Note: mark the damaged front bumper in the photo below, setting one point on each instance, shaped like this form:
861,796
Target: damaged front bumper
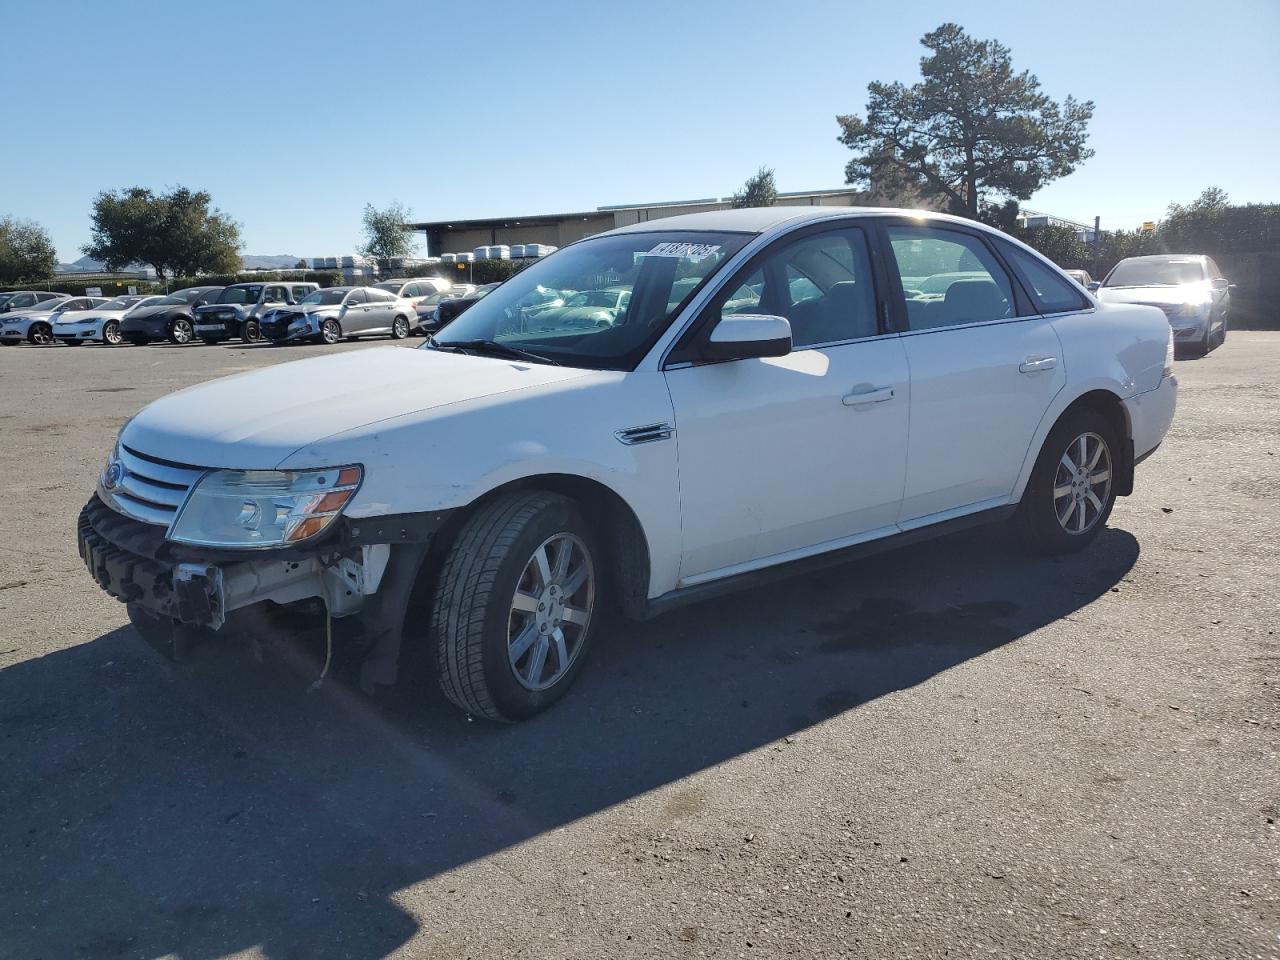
366,568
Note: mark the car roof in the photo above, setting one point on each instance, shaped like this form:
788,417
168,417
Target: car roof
763,219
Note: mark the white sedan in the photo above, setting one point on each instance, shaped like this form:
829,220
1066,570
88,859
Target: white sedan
768,398
35,324
101,323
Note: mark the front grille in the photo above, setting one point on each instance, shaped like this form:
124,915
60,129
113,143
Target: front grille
150,489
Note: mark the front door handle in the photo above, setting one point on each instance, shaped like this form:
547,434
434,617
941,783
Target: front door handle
1037,364
860,397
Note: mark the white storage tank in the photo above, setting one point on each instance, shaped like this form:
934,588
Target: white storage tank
517,251
500,252
448,258
481,253
465,258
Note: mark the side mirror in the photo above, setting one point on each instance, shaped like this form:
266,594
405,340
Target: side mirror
1220,283
746,335
1231,286
1093,286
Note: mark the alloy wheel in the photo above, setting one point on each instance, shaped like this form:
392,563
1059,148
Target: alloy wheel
111,334
41,334
550,611
181,331
1082,483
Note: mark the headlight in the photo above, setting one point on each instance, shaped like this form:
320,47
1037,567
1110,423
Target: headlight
1168,357
263,508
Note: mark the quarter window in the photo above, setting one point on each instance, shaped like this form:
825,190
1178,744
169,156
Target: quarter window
949,278
1053,292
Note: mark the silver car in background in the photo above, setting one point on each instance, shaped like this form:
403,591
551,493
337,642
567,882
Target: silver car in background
335,313
35,323
1188,288
99,323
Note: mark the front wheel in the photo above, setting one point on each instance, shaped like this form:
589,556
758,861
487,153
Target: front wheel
399,328
1072,487
514,606
111,333
330,332
251,332
40,334
180,331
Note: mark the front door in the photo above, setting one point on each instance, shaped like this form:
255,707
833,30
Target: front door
984,369
784,457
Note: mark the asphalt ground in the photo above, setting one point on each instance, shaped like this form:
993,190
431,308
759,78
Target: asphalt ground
948,751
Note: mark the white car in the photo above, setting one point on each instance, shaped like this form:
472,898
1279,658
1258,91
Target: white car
1189,289
99,323
35,324
522,479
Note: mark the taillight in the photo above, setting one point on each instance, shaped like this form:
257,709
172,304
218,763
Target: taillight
1168,357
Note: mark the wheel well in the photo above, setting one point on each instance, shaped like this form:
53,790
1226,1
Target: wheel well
1112,407
619,530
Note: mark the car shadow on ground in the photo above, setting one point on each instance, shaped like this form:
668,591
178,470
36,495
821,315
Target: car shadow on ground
210,807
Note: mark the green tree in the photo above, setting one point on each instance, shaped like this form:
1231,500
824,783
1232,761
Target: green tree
387,232
178,233
1062,245
26,251
759,190
972,130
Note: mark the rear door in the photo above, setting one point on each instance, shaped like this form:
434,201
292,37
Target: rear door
382,306
984,368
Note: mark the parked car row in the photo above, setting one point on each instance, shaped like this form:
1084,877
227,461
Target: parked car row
278,311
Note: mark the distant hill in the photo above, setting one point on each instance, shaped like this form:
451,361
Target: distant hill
278,262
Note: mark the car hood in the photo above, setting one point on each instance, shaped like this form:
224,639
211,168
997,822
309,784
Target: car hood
1182,293
216,307
142,313
256,420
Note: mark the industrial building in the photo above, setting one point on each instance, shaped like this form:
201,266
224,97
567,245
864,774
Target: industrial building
559,229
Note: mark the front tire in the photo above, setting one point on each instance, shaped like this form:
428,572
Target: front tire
251,332
399,328
40,334
514,606
1072,487
180,331
330,332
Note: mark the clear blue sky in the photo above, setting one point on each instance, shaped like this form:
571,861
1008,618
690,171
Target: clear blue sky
294,115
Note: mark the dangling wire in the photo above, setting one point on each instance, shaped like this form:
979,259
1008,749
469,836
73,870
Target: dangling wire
328,651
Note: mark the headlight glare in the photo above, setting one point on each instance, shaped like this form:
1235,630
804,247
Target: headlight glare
263,508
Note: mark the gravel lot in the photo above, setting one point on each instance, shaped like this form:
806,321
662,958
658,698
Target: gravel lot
946,751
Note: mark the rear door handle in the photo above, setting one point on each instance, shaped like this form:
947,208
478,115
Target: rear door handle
1037,364
874,395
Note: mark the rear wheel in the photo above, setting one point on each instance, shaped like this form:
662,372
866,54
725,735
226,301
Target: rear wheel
180,330
1072,487
111,333
400,328
514,606
40,334
251,332
330,332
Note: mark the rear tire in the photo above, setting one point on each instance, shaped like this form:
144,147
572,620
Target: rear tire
515,606
399,328
1066,505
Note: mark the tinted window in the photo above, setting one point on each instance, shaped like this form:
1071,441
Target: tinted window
821,283
277,294
949,278
380,296
1052,292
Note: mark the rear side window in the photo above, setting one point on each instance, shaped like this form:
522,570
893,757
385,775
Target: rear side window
949,278
1052,292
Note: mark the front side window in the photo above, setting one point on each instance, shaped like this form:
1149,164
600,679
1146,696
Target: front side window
1052,292
326,297
821,283
357,296
570,306
949,278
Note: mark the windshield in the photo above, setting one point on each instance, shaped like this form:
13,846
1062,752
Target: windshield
240,294
331,296
1154,273
120,303
659,271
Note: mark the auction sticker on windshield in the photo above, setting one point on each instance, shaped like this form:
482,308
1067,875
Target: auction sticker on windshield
684,251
